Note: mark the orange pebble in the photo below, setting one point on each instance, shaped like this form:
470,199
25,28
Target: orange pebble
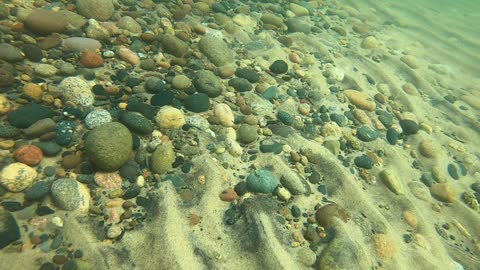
91,59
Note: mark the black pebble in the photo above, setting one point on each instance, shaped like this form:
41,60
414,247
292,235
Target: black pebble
32,52
409,127
279,67
12,206
241,188
44,210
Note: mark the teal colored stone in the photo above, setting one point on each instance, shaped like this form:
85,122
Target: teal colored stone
367,134
341,120
452,171
385,118
285,118
49,148
8,131
392,136
270,146
427,179
364,162
262,181
270,93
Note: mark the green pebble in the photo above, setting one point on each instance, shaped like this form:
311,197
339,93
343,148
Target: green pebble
452,171
367,134
262,181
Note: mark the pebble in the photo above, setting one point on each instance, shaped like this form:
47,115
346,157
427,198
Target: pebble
39,128
5,105
410,60
367,134
129,24
79,44
29,154
269,18
91,59
262,181
228,195
279,67
240,84
32,52
364,162
216,50
173,45
6,78
443,192
45,70
208,83
247,74
77,91
162,159
17,176
197,103
109,146
410,219
223,114
392,136
97,118
181,82
34,91
100,10
37,190
114,231
306,256
452,171
409,127
127,55
369,42
44,22
9,229
427,149
283,194
391,180
385,246
108,180
247,134
170,118
49,148
136,122
360,100
28,114
327,214
70,195
270,146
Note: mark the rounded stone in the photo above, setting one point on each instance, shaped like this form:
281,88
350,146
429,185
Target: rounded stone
279,67
197,103
181,82
32,52
129,24
360,99
240,84
30,155
28,114
427,149
216,50
248,74
326,215
392,136
154,85
228,195
367,134
17,176
247,134
262,181
79,44
97,118
207,82
409,127
6,78
100,10
109,146
162,159
38,190
5,105
136,122
10,53
369,42
70,195
43,22
169,117
173,45
76,90
108,180
364,162
91,59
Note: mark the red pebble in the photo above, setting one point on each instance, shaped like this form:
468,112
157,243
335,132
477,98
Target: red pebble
228,195
91,59
29,154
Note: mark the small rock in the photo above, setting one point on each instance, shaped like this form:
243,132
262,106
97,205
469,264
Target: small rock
247,134
197,103
223,115
91,59
207,82
38,190
410,60
426,148
29,154
108,180
391,181
128,56
443,192
410,218
76,90
32,52
170,118
162,159
283,194
34,91
17,176
364,162
173,45
100,10
97,118
360,100
369,42
326,215
262,181
240,84
216,50
9,230
136,122
40,127
79,44
181,82
49,148
385,246
409,127
228,195
70,195
129,24
45,70
43,22
279,67
367,134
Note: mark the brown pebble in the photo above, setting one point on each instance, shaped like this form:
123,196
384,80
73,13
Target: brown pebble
61,172
194,219
385,246
36,240
199,29
71,161
91,59
295,156
126,215
325,215
228,195
48,136
225,72
245,109
410,218
127,204
34,91
29,154
251,119
381,98
59,259
443,192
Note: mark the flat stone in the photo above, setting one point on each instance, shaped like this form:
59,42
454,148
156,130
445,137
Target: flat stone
43,22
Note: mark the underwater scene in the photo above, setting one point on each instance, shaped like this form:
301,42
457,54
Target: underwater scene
228,134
